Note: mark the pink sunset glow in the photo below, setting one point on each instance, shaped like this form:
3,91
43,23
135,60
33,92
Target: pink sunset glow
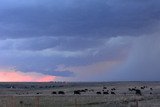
17,76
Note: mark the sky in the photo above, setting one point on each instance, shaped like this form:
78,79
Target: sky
79,40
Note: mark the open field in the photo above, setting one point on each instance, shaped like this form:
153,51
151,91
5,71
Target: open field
96,94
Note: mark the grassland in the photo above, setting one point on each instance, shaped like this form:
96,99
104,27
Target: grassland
40,94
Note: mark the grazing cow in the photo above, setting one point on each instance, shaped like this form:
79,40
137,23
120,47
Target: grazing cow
104,87
54,92
112,92
106,92
82,91
98,92
150,93
113,89
77,92
86,89
130,89
138,92
61,92
151,88
143,87
133,89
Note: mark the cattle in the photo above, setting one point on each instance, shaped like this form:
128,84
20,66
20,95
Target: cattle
130,89
54,92
61,92
112,92
104,87
77,92
133,89
138,92
106,92
143,87
113,89
86,89
151,88
37,93
82,90
150,93
99,92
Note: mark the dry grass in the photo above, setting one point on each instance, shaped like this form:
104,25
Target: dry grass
9,98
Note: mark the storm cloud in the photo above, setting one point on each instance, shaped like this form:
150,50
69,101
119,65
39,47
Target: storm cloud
73,39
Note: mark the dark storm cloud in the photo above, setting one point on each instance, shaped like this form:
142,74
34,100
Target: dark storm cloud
40,35
55,43
76,18
34,57
142,63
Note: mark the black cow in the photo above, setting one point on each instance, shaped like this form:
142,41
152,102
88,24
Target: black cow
54,92
86,89
113,89
99,92
82,90
61,92
106,92
104,87
134,89
130,89
143,87
113,92
77,92
138,92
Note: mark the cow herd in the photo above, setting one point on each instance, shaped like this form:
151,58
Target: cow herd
102,91
105,91
138,91
82,91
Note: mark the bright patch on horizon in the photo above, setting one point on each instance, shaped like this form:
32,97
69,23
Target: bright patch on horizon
17,76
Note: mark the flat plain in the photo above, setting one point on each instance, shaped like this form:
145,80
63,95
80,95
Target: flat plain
80,94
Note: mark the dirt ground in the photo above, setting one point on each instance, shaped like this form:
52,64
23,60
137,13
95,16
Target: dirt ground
89,94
